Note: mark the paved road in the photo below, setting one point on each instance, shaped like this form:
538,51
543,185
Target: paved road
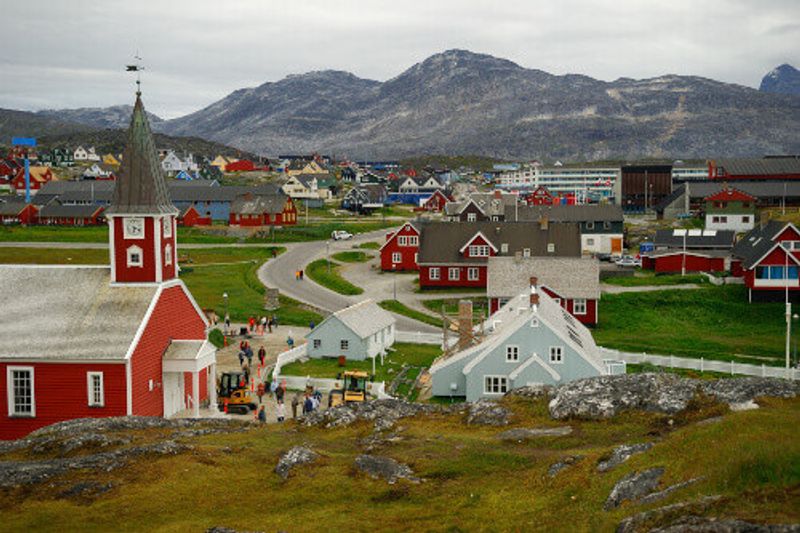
616,289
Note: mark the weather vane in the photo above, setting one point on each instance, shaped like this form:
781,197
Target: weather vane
137,68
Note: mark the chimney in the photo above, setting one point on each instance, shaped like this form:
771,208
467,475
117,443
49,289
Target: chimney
534,281
464,324
534,300
498,194
544,222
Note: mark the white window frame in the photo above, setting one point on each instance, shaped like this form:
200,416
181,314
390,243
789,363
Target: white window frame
451,271
504,248
92,401
590,225
402,240
127,235
579,306
135,250
10,391
397,257
472,217
534,322
526,252
500,386
344,345
551,247
589,241
512,353
168,254
167,225
413,240
317,344
473,274
556,355
434,273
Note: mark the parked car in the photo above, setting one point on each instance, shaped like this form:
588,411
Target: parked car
341,235
604,257
628,261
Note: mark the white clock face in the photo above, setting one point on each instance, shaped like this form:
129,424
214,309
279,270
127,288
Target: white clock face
134,228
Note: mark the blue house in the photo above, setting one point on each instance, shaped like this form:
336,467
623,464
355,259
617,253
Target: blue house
361,331
531,340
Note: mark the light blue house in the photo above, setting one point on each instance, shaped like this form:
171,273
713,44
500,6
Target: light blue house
361,331
531,340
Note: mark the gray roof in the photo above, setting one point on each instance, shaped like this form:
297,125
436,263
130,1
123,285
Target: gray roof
68,211
568,213
11,208
490,203
141,186
440,242
670,238
767,166
183,350
757,242
570,277
365,318
759,189
256,204
57,312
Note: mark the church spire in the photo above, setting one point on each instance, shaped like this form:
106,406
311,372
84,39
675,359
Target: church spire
141,187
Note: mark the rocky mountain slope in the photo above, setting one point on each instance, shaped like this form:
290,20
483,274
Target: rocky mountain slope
784,79
459,102
26,124
114,117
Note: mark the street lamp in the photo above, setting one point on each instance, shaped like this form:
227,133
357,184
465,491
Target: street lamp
225,297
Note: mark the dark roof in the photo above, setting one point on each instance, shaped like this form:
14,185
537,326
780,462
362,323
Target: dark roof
11,208
141,187
567,213
753,167
98,195
757,242
670,238
256,204
440,242
68,211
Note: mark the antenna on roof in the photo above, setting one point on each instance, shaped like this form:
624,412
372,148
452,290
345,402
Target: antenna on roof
137,68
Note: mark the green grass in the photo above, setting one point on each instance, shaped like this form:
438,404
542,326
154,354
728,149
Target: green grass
216,338
318,271
640,368
401,309
713,322
415,355
473,481
352,257
479,306
317,232
648,278
99,234
370,245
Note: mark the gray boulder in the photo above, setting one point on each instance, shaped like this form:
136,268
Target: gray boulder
487,413
523,434
532,391
384,413
605,396
702,524
384,467
567,461
660,515
296,456
633,486
620,454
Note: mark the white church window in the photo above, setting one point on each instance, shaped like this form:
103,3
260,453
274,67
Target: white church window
167,222
19,382
95,390
135,257
168,255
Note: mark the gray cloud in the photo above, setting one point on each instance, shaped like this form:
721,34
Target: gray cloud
70,54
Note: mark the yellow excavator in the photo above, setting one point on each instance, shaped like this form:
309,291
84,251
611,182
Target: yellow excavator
232,390
352,389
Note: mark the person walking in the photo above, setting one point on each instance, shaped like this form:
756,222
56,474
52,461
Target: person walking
262,415
280,411
279,392
262,355
260,391
295,403
269,325
264,325
252,324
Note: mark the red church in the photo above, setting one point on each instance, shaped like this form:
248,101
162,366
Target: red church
98,341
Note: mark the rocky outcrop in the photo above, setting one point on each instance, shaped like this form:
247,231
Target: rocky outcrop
487,413
633,486
606,396
567,461
299,455
531,392
660,495
384,413
523,434
661,515
703,524
620,454
385,467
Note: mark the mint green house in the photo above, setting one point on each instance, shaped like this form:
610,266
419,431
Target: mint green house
361,331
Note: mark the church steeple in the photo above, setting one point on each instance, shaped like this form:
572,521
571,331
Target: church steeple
141,216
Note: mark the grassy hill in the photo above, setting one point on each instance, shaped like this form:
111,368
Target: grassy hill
471,480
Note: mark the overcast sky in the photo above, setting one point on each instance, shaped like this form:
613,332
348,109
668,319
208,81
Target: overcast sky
56,54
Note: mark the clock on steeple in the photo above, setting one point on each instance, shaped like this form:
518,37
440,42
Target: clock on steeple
141,217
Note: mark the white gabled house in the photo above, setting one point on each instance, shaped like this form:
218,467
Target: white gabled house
361,331
532,340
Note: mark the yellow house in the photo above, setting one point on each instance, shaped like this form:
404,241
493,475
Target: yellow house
221,162
109,159
303,167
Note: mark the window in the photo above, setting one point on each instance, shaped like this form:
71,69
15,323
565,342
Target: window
471,217
534,322
746,220
745,204
402,240
478,250
472,274
95,390
579,306
167,222
589,242
495,218
433,273
557,354
495,384
526,252
512,354
453,273
344,345
590,225
723,220
551,247
504,248
168,255
396,257
557,300
715,220
317,344
606,225
19,381
413,240
135,257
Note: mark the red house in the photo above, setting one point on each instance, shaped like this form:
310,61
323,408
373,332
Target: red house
38,177
18,213
768,257
242,165
399,252
263,210
456,254
191,217
70,215
436,202
573,282
691,260
541,196
98,341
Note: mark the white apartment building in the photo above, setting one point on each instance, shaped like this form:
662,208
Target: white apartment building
585,182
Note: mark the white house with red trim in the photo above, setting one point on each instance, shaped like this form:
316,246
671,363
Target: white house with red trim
768,257
98,341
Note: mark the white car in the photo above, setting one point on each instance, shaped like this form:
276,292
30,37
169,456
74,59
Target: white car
628,261
341,235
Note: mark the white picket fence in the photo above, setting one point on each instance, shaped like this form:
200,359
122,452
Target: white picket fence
701,364
418,337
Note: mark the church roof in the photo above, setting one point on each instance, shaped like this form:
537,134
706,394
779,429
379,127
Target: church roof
141,187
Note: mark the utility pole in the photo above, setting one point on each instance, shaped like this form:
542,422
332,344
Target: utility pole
788,311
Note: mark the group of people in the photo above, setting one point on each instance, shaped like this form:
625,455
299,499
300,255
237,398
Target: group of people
261,325
298,275
277,389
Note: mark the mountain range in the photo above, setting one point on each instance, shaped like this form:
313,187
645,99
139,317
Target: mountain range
463,103
784,79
